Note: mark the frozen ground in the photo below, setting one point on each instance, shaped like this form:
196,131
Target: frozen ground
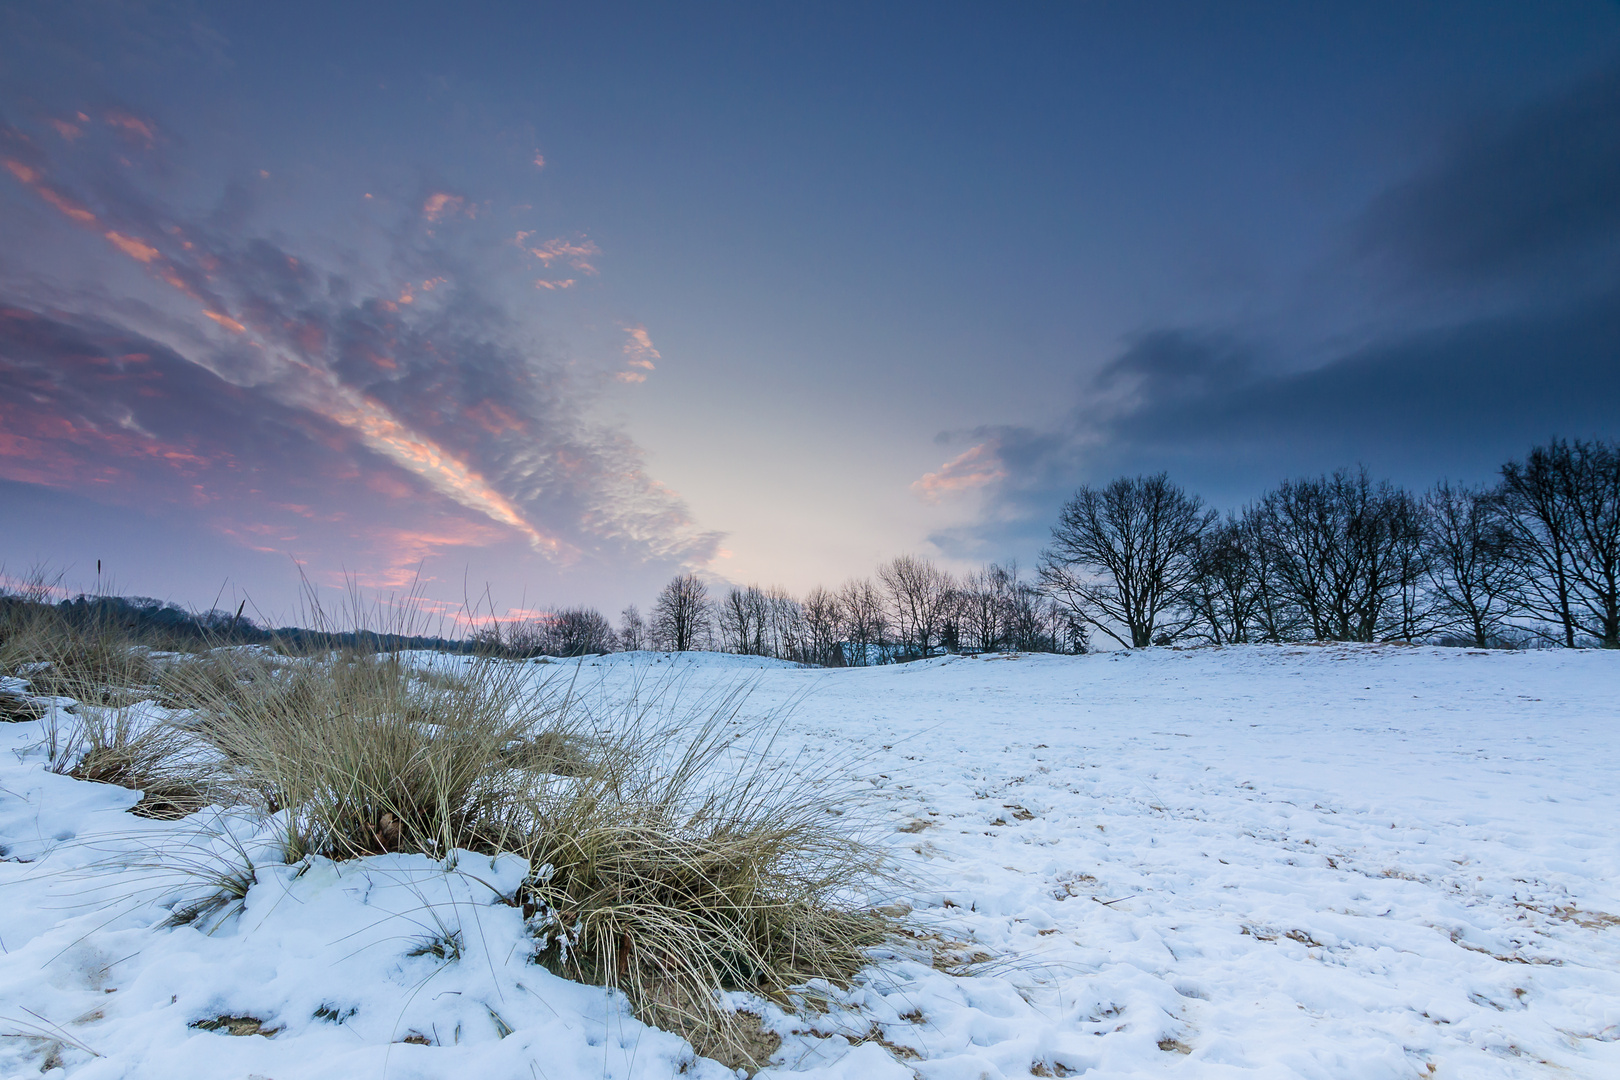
1334,862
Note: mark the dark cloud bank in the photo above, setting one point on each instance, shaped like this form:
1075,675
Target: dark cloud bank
1514,229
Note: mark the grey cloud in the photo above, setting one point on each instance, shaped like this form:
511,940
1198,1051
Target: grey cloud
1539,184
1453,403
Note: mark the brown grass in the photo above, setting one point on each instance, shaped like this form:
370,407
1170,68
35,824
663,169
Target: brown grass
698,862
366,757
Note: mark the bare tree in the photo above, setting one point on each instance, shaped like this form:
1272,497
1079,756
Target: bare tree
577,631
1122,556
680,620
1472,572
920,597
985,609
1563,504
1223,594
741,616
866,622
632,629
784,625
823,622
1347,554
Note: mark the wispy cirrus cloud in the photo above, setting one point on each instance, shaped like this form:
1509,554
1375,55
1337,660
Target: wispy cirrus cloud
976,467
423,379
639,353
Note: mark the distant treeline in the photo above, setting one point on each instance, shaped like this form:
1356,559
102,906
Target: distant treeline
1532,560
160,624
911,609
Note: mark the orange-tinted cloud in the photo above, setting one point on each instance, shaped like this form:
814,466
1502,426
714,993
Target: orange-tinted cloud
227,322
138,250
442,204
34,179
639,348
134,125
67,130
577,255
381,431
973,468
494,418
463,409
539,160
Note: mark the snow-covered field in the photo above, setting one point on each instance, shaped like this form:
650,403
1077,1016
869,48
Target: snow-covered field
1325,862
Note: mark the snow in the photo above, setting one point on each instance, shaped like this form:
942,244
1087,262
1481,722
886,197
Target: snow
1267,861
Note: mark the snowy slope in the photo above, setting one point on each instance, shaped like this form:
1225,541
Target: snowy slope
1299,861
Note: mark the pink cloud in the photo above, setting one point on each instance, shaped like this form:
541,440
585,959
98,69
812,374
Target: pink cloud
227,322
442,204
577,255
972,468
133,125
36,180
139,250
639,348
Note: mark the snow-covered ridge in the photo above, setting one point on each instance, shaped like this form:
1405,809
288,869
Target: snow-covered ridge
1290,861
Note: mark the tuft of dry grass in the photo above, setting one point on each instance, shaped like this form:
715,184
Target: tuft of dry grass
698,862
366,757
82,654
128,747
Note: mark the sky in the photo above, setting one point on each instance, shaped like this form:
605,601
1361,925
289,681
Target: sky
537,305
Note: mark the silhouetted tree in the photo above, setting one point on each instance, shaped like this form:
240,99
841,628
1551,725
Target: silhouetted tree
576,631
680,620
920,596
823,622
1346,553
632,629
865,621
1563,504
984,610
1223,594
740,617
1121,557
1472,572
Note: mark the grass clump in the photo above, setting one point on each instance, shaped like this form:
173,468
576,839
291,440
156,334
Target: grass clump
365,757
701,861
69,651
131,748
